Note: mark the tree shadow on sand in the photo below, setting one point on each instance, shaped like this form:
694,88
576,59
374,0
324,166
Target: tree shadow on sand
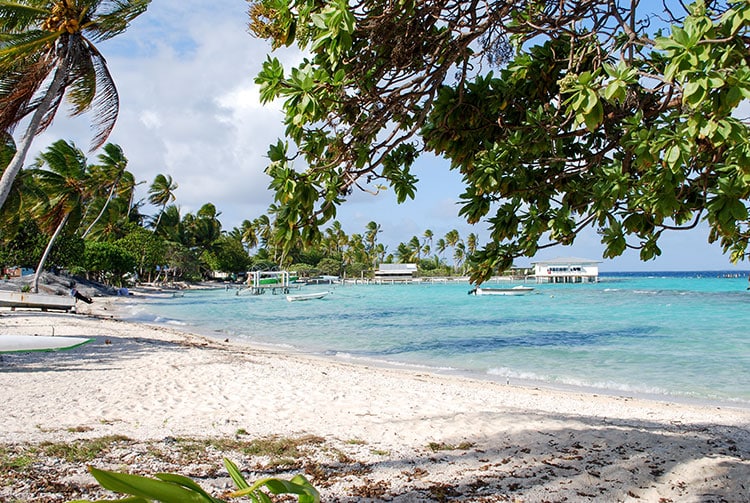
598,460
593,460
102,353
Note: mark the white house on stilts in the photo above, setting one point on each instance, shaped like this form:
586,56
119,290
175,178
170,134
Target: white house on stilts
566,270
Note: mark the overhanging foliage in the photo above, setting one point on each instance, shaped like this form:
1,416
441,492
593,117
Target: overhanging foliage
622,116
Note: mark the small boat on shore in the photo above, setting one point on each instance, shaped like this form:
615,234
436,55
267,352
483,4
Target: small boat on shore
516,290
24,343
41,301
305,296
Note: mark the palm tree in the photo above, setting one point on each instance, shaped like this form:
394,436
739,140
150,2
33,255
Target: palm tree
112,223
10,215
65,181
380,252
264,229
459,256
371,238
452,238
110,175
441,246
161,193
248,235
338,237
404,253
428,235
47,53
170,227
416,249
472,241
206,227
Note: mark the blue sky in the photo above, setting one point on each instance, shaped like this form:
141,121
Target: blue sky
189,108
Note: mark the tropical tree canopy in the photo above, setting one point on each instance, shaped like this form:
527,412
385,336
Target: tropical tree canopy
47,53
618,116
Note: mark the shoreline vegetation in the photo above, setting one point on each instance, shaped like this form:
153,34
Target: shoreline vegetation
146,399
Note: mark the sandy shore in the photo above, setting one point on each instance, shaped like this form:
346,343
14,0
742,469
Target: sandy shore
377,434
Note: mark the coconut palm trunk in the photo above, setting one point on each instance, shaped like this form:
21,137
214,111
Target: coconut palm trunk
101,212
40,267
115,186
10,173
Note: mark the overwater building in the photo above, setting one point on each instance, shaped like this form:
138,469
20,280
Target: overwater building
566,270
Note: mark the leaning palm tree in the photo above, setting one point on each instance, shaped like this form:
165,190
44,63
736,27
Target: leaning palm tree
441,246
47,53
10,214
161,193
63,174
171,227
110,175
428,236
248,235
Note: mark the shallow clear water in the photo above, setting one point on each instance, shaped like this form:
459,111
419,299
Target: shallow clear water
665,334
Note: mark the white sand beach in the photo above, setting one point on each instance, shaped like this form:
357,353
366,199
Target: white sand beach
389,434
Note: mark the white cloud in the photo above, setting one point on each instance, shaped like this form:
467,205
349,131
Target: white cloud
151,119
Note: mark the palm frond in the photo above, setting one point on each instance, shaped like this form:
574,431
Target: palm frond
16,16
106,103
113,17
49,114
18,88
17,46
82,87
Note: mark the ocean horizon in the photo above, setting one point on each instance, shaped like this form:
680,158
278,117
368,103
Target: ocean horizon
673,335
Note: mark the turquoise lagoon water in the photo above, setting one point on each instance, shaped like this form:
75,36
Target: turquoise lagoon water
674,335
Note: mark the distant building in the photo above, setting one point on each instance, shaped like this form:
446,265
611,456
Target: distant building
396,272
566,270
16,272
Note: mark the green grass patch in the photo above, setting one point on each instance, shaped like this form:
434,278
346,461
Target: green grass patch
442,446
281,451
81,451
13,460
273,446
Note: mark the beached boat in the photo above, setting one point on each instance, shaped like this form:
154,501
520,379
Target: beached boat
23,343
516,290
37,301
305,296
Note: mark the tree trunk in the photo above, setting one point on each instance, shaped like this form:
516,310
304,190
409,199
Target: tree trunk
10,173
99,216
40,267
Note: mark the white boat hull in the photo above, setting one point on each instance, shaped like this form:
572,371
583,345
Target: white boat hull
41,301
516,290
22,343
305,296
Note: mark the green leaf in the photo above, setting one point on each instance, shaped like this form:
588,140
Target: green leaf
694,93
299,485
615,90
186,483
673,155
148,488
277,153
235,474
594,117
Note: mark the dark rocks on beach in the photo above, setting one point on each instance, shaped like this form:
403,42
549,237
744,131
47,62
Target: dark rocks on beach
59,284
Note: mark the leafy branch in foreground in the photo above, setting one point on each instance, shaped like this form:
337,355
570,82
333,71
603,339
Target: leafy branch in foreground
622,118
173,488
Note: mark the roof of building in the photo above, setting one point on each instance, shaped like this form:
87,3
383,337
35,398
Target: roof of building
567,261
397,267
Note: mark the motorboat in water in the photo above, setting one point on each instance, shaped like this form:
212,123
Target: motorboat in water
305,296
516,290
